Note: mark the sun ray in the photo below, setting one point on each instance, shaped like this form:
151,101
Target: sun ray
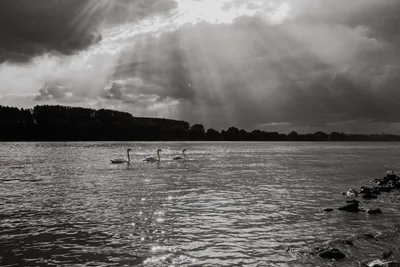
207,61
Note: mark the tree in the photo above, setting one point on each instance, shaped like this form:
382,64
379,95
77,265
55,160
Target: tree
213,135
320,136
197,132
293,136
243,135
232,134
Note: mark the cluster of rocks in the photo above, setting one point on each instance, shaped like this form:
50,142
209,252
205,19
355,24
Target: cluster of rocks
329,252
387,184
354,206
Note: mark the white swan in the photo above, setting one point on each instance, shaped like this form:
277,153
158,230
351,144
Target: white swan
153,159
119,161
180,157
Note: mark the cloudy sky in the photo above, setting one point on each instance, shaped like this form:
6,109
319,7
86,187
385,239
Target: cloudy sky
304,65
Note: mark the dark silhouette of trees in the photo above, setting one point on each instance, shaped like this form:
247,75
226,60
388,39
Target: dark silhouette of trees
293,136
320,136
15,124
60,123
335,136
232,134
213,135
197,132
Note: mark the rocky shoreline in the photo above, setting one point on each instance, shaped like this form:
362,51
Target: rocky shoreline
389,183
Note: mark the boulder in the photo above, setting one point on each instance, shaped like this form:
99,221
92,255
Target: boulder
396,185
351,207
383,188
365,190
331,253
387,254
328,210
369,196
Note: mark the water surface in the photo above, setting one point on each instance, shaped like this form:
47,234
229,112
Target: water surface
229,204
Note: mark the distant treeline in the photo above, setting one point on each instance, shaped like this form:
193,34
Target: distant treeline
60,123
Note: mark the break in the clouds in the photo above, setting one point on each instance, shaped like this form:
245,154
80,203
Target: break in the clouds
306,65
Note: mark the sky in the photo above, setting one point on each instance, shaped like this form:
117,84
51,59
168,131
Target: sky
275,65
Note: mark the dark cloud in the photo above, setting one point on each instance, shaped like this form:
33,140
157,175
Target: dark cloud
381,19
377,17
32,28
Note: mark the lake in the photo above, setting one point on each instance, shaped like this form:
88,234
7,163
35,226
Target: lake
228,204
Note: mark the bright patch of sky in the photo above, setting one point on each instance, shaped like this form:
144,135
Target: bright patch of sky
196,11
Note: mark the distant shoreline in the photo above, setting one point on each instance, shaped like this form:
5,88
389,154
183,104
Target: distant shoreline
74,124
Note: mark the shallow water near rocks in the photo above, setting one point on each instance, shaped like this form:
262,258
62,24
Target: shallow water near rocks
229,204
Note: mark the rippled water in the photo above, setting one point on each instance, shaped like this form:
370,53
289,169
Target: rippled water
229,204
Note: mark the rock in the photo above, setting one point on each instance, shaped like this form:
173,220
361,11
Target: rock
369,196
331,253
365,190
347,242
374,211
387,254
328,210
351,207
369,236
396,185
383,188
370,190
390,178
380,263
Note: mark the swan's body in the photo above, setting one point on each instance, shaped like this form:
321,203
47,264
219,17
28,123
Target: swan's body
180,157
153,159
120,160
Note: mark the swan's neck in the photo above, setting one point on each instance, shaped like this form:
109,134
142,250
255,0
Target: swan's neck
158,154
129,157
184,156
